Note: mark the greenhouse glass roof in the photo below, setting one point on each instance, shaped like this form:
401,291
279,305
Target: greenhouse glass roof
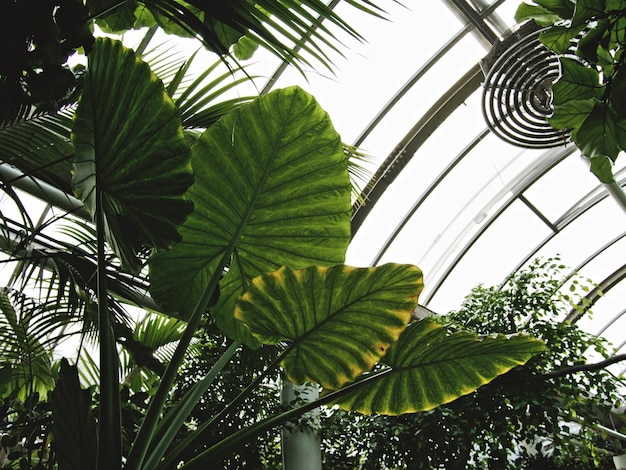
445,192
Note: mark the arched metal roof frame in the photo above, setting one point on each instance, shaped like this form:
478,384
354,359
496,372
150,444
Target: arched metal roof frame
470,26
516,188
549,160
406,148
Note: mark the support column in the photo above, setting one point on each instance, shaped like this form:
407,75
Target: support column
301,444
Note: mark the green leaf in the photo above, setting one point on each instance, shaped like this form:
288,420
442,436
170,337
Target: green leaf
558,38
245,48
144,17
542,16
587,47
588,10
198,101
571,114
620,132
602,167
577,82
618,92
271,189
130,148
615,5
39,146
617,32
115,20
563,8
597,135
5,374
430,366
27,331
74,426
339,321
226,35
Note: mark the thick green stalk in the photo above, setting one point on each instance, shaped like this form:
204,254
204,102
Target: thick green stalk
110,432
197,435
146,432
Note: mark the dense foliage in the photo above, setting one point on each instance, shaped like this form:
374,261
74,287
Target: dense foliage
37,39
528,415
589,98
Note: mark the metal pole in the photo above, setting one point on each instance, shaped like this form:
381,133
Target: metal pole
301,442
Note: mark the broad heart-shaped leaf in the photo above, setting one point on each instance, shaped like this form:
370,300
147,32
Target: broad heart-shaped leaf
130,149
339,321
271,188
428,366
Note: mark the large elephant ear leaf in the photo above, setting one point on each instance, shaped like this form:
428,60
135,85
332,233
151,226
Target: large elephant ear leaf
271,188
338,321
429,366
130,152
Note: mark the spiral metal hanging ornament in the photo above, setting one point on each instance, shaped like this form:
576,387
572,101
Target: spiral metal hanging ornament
517,92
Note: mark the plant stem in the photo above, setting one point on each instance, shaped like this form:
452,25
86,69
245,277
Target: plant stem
174,419
144,436
110,440
197,434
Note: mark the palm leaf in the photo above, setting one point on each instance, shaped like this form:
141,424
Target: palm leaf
197,101
338,321
88,371
357,161
295,31
430,366
271,189
165,60
40,147
224,25
29,333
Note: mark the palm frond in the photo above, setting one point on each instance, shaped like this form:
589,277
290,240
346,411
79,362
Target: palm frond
40,147
359,174
202,102
88,370
293,30
165,60
29,333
